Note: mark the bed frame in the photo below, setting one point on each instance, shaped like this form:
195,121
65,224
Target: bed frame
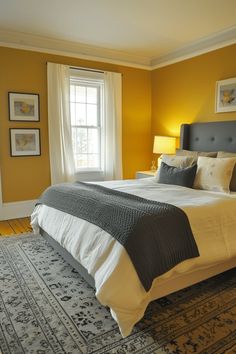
211,136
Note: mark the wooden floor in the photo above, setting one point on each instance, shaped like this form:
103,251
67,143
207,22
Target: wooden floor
14,226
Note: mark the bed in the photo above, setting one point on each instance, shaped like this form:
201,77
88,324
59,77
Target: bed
105,264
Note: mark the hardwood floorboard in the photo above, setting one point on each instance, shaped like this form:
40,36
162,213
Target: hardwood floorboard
15,226
5,228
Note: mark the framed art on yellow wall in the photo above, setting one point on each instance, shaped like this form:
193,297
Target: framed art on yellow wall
226,95
23,107
25,142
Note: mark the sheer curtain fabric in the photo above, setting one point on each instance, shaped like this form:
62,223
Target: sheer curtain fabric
60,140
113,126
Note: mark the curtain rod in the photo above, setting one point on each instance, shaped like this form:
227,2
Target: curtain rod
86,69
93,70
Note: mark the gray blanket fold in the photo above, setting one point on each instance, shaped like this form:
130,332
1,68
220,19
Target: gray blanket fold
157,236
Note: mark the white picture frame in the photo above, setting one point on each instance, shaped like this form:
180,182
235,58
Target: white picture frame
23,107
226,95
25,142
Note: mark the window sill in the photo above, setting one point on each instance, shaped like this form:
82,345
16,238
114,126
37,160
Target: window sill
89,176
88,171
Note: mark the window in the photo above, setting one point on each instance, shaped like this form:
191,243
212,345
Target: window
87,123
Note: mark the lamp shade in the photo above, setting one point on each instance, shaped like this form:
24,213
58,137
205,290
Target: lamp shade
164,145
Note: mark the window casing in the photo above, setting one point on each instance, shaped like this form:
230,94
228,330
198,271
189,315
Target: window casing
87,120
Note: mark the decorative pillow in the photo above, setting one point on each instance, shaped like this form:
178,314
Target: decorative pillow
180,152
179,161
175,175
223,154
214,174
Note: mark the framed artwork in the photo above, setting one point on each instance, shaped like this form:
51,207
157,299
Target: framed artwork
23,107
226,95
25,142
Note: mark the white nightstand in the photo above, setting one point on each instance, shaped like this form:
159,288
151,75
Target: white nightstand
144,174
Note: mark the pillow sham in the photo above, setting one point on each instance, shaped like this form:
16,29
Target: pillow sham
176,175
223,154
181,152
214,174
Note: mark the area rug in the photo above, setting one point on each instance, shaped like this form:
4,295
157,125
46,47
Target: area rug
46,307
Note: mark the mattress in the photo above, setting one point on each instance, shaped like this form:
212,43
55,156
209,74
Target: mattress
212,218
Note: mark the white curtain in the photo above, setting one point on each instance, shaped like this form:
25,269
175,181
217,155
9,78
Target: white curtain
60,140
113,126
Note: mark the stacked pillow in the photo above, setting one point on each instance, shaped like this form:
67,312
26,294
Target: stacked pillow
210,173
223,154
178,170
196,154
176,175
214,174
179,161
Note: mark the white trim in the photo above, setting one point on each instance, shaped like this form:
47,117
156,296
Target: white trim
205,45
87,52
71,49
16,209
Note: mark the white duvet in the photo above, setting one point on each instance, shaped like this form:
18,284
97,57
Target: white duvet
213,221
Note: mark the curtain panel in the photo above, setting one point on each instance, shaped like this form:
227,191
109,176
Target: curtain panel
62,163
113,126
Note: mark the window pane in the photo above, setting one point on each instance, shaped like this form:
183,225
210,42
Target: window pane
92,94
81,161
93,161
93,141
81,94
92,114
80,114
81,140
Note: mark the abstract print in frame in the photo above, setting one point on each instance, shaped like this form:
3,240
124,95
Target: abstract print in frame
25,142
226,95
23,107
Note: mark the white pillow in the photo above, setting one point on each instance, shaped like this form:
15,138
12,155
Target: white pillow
214,174
179,161
224,154
196,154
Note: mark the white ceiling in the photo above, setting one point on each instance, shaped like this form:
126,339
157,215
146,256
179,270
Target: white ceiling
145,32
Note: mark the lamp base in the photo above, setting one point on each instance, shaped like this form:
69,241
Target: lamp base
159,161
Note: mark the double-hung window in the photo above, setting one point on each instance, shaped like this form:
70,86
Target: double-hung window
87,120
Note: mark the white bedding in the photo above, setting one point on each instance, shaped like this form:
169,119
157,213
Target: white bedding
213,220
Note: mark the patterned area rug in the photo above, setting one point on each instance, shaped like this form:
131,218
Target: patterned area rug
46,307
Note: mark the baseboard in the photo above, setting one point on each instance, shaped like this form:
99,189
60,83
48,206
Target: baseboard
16,209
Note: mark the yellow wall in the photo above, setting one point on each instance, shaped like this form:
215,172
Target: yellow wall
185,92
180,93
24,178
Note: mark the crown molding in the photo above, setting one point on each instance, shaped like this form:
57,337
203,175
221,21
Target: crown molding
35,43
30,42
208,44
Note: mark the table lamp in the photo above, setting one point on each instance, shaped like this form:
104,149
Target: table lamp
164,145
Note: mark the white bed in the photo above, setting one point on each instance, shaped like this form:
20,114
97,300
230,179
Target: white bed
212,217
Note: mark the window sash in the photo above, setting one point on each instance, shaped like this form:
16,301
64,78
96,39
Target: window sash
98,85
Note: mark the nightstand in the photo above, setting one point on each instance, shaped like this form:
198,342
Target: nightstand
144,174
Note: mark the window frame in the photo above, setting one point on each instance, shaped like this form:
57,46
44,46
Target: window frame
93,79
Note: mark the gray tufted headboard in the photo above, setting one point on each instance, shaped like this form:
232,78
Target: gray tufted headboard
211,136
